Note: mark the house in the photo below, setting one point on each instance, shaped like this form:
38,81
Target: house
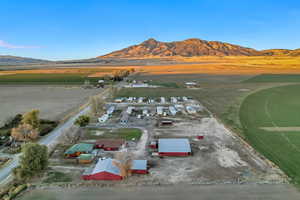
109,144
139,167
103,170
106,170
174,147
103,118
85,158
172,110
77,149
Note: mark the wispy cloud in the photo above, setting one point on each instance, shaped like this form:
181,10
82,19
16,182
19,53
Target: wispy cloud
12,46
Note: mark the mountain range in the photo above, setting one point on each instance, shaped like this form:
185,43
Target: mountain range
193,47
153,48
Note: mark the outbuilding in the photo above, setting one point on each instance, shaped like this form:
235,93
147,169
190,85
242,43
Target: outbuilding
103,170
77,149
109,144
174,147
85,158
139,167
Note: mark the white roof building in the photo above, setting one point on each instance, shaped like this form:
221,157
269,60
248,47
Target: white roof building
159,110
103,118
172,110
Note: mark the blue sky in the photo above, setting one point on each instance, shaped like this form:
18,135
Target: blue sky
75,29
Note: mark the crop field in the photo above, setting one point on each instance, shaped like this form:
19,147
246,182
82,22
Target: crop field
271,121
266,78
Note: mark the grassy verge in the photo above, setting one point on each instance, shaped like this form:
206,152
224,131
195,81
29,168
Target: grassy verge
54,176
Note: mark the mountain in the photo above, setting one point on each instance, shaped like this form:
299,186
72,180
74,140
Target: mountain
14,60
187,48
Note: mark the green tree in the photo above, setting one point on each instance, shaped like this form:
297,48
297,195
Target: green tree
32,118
34,160
82,121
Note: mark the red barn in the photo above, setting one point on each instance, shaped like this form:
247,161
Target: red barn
174,147
104,170
109,144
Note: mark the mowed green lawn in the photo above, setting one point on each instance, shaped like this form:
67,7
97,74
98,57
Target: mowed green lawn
46,79
275,107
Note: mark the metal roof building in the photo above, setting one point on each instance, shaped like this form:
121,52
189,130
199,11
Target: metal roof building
78,149
172,110
106,170
174,147
159,110
110,110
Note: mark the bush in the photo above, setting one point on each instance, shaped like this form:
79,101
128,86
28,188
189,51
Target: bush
82,121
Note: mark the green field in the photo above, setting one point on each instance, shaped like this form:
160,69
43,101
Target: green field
277,107
46,79
124,133
265,78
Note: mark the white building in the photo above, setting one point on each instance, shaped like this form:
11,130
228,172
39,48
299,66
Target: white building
110,110
140,100
129,110
184,98
145,112
162,100
103,118
160,110
173,100
191,110
172,110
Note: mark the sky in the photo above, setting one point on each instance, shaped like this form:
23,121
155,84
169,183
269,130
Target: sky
77,29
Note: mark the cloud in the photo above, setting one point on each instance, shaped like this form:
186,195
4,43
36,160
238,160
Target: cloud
12,46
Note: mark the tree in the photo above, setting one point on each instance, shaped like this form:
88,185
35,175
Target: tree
24,132
82,121
33,160
32,118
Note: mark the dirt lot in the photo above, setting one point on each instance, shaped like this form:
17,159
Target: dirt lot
53,101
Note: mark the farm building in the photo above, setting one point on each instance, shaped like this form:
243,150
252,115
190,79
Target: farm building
85,158
103,118
77,149
165,122
174,147
110,110
191,110
139,167
173,100
140,100
109,144
184,98
159,110
119,100
130,110
106,170
172,110
162,100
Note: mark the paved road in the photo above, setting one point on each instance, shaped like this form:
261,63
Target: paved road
180,192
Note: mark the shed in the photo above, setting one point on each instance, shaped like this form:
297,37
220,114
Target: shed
77,149
85,158
109,144
103,170
174,147
139,167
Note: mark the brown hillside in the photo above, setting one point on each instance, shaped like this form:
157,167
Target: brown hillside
186,48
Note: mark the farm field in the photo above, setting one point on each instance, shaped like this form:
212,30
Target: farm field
54,102
270,120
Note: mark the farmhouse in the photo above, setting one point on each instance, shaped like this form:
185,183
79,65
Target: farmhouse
107,170
77,149
109,144
174,147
